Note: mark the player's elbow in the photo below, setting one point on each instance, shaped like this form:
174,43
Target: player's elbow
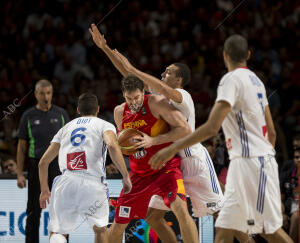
42,163
112,148
186,130
212,129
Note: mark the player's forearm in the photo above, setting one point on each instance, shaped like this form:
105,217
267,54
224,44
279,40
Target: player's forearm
118,160
115,61
43,175
272,138
201,134
173,135
46,159
151,81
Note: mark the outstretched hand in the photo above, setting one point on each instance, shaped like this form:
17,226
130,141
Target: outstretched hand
98,38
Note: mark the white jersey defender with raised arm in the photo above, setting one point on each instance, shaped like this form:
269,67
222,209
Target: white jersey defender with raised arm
252,195
200,179
81,189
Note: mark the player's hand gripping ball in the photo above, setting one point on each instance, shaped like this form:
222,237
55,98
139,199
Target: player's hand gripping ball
126,140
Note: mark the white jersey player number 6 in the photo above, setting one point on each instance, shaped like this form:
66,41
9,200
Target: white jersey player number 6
77,138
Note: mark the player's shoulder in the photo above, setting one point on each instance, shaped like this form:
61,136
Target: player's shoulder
119,108
185,94
102,125
101,121
154,98
248,77
231,78
158,105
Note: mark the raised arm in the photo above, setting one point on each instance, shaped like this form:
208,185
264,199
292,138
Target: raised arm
47,158
100,41
156,84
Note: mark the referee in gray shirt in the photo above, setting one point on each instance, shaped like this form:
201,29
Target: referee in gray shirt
37,127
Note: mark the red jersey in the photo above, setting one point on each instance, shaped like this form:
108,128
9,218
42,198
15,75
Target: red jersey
145,122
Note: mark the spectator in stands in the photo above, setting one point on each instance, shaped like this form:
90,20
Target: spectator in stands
66,71
9,166
296,142
290,192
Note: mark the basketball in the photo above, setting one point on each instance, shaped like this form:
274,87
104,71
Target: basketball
126,141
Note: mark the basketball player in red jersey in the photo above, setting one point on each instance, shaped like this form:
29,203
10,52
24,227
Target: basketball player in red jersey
156,118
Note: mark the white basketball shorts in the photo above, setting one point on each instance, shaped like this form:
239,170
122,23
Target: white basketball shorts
201,185
76,195
252,196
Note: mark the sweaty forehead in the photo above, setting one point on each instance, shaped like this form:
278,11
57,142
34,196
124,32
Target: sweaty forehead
133,94
171,68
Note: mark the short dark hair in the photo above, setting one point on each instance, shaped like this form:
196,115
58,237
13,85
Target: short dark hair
183,72
87,104
236,47
131,83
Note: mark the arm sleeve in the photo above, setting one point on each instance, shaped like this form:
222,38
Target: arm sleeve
228,90
108,126
184,105
58,136
23,130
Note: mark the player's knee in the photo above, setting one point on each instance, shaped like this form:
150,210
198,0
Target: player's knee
99,230
117,228
179,207
57,238
154,216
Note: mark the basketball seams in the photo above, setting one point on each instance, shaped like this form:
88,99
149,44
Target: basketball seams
124,136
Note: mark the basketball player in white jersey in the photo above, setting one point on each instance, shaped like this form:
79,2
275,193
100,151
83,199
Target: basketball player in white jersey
200,180
81,146
252,196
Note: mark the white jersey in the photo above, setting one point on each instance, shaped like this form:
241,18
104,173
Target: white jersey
187,108
245,125
82,147
199,176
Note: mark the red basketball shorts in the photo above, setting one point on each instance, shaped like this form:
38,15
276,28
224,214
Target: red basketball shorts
166,183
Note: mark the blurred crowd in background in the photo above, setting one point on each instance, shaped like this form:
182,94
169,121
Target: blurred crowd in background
50,39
